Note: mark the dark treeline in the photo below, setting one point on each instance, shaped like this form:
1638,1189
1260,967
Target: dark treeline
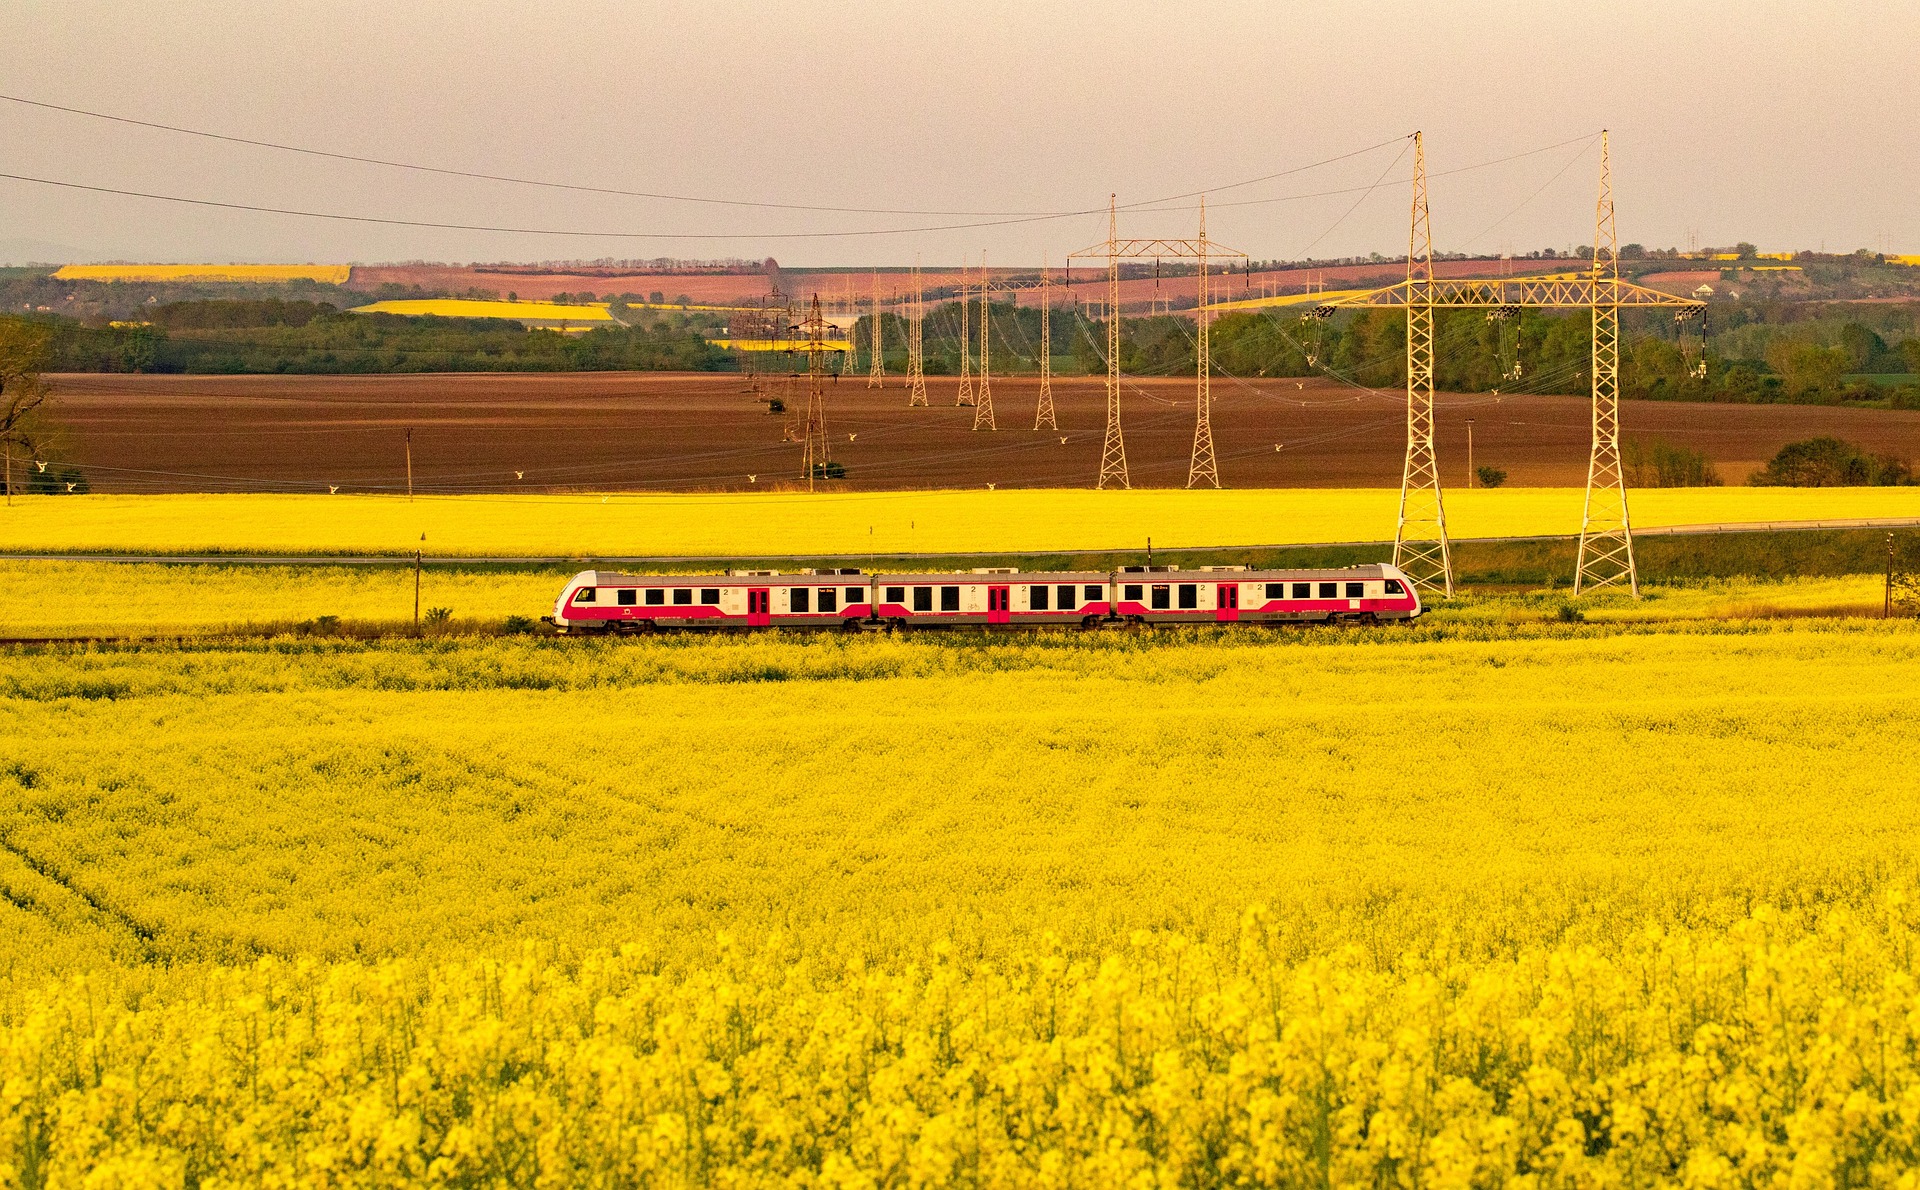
276,336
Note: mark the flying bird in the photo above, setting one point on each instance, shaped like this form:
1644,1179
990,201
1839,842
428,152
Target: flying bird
989,487
753,479
1276,446
42,466
332,488
519,474
1063,442
73,485
851,437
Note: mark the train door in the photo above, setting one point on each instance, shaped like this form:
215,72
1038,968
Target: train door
759,607
999,605
1226,603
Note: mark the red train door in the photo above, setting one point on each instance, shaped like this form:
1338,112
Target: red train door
759,607
1227,603
999,605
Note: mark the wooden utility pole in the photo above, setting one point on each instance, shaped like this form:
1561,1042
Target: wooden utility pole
409,466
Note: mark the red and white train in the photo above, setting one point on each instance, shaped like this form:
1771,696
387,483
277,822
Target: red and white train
602,601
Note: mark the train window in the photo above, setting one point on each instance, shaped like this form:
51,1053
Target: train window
1037,598
683,595
1093,594
710,595
1276,590
1394,587
797,599
585,595
626,596
655,597
949,599
1132,592
1066,602
1189,595
828,600
1162,597
923,599
856,595
896,594
1303,590
1356,590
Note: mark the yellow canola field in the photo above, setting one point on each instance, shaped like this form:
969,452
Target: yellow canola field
464,308
776,524
62,598
326,274
1582,911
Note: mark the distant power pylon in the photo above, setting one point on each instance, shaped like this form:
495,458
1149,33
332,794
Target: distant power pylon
877,370
983,407
816,454
964,396
853,314
1113,453
1202,467
916,346
1043,413
1606,536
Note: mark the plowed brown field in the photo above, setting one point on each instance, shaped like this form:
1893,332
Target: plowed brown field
651,431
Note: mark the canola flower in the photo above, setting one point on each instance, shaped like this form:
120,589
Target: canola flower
859,524
1775,1050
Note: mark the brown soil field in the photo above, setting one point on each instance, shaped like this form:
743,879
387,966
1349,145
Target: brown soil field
1089,281
665,431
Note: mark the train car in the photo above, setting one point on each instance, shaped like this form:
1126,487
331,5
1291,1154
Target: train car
605,601
1235,594
992,596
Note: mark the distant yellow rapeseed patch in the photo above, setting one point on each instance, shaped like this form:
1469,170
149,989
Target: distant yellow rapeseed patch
329,274
854,523
463,308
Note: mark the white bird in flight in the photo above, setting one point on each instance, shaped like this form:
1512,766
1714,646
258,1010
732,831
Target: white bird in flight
519,474
332,488
1063,442
851,437
73,485
989,487
753,479
42,466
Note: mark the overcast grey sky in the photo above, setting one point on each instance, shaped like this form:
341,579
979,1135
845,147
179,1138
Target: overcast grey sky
1792,125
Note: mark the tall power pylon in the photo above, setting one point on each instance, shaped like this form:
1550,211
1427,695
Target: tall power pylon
1113,453
1606,542
877,369
983,403
1043,413
815,455
1420,545
964,395
1202,467
916,346
1606,535
853,313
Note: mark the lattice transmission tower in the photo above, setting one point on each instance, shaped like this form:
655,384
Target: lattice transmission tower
983,401
1606,535
916,346
1420,544
852,313
815,454
1113,452
1202,466
1606,540
964,395
877,368
1043,412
